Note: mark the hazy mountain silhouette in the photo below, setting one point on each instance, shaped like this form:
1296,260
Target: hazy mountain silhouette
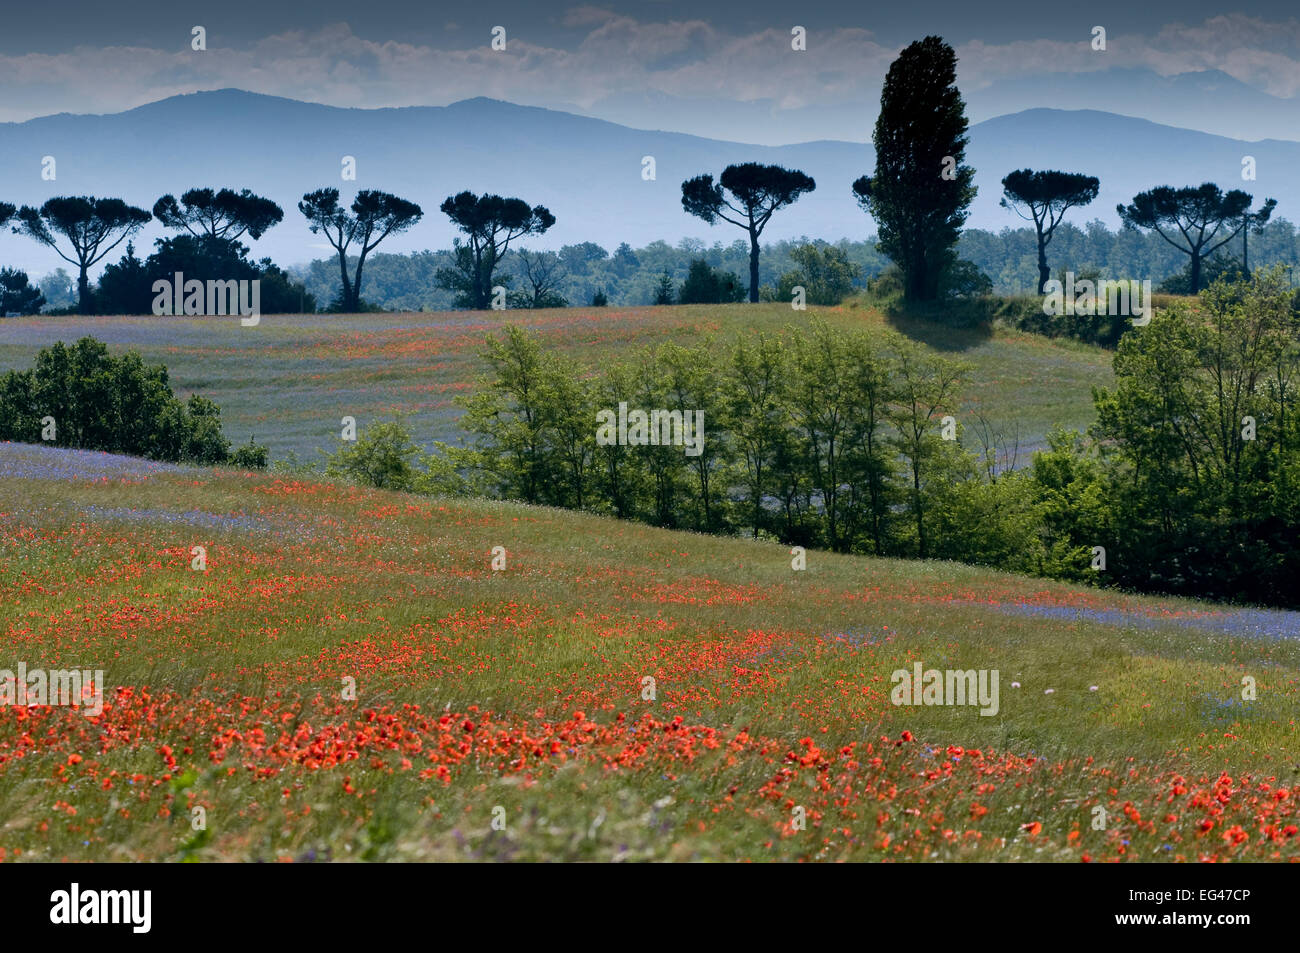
1206,101
587,171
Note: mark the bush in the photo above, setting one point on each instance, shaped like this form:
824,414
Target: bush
381,457
824,272
251,456
1025,313
599,300
115,404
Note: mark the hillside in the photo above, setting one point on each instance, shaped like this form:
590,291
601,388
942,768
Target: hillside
347,677
290,380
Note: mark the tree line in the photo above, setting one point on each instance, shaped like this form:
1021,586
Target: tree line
857,442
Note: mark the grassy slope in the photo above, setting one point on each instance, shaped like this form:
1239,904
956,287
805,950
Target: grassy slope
780,680
291,379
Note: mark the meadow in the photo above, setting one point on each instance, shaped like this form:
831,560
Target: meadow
348,678
289,381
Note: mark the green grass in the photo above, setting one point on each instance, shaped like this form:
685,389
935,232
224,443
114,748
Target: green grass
291,379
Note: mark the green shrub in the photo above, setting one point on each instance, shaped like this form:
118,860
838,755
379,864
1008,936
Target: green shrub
116,404
824,272
251,456
381,457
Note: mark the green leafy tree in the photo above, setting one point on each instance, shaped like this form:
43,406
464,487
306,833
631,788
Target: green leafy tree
1205,217
578,259
204,442
511,416
925,384
746,195
115,404
1046,196
490,224
59,288
1070,488
620,481
824,272
963,279
689,379
381,457
705,285
823,402
373,216
871,459
93,227
666,467
984,522
1203,445
664,290
757,416
920,192
16,295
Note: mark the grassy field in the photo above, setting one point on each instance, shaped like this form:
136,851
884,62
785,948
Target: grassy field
507,714
289,380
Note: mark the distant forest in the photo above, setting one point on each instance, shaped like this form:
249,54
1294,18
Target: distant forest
631,277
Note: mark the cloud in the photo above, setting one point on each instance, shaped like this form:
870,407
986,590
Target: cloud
611,55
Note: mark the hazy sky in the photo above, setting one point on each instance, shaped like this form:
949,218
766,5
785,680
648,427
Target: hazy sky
630,61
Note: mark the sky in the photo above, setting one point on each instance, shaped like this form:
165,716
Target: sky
685,66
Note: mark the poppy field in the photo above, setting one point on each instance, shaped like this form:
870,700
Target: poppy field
346,675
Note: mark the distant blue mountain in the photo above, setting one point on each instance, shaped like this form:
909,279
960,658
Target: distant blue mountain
1205,100
587,171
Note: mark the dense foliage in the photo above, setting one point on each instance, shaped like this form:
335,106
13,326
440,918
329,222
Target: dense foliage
82,396
856,442
127,286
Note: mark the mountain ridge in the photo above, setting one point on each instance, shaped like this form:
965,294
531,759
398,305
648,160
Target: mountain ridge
587,170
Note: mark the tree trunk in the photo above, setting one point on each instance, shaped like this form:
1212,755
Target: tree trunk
753,268
1196,272
482,284
916,498
346,300
83,292
356,284
1043,272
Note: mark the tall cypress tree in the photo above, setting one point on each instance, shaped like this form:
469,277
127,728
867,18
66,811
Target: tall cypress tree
920,192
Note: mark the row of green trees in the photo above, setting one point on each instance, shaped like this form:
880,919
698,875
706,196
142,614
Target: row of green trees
1187,484
82,396
816,437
